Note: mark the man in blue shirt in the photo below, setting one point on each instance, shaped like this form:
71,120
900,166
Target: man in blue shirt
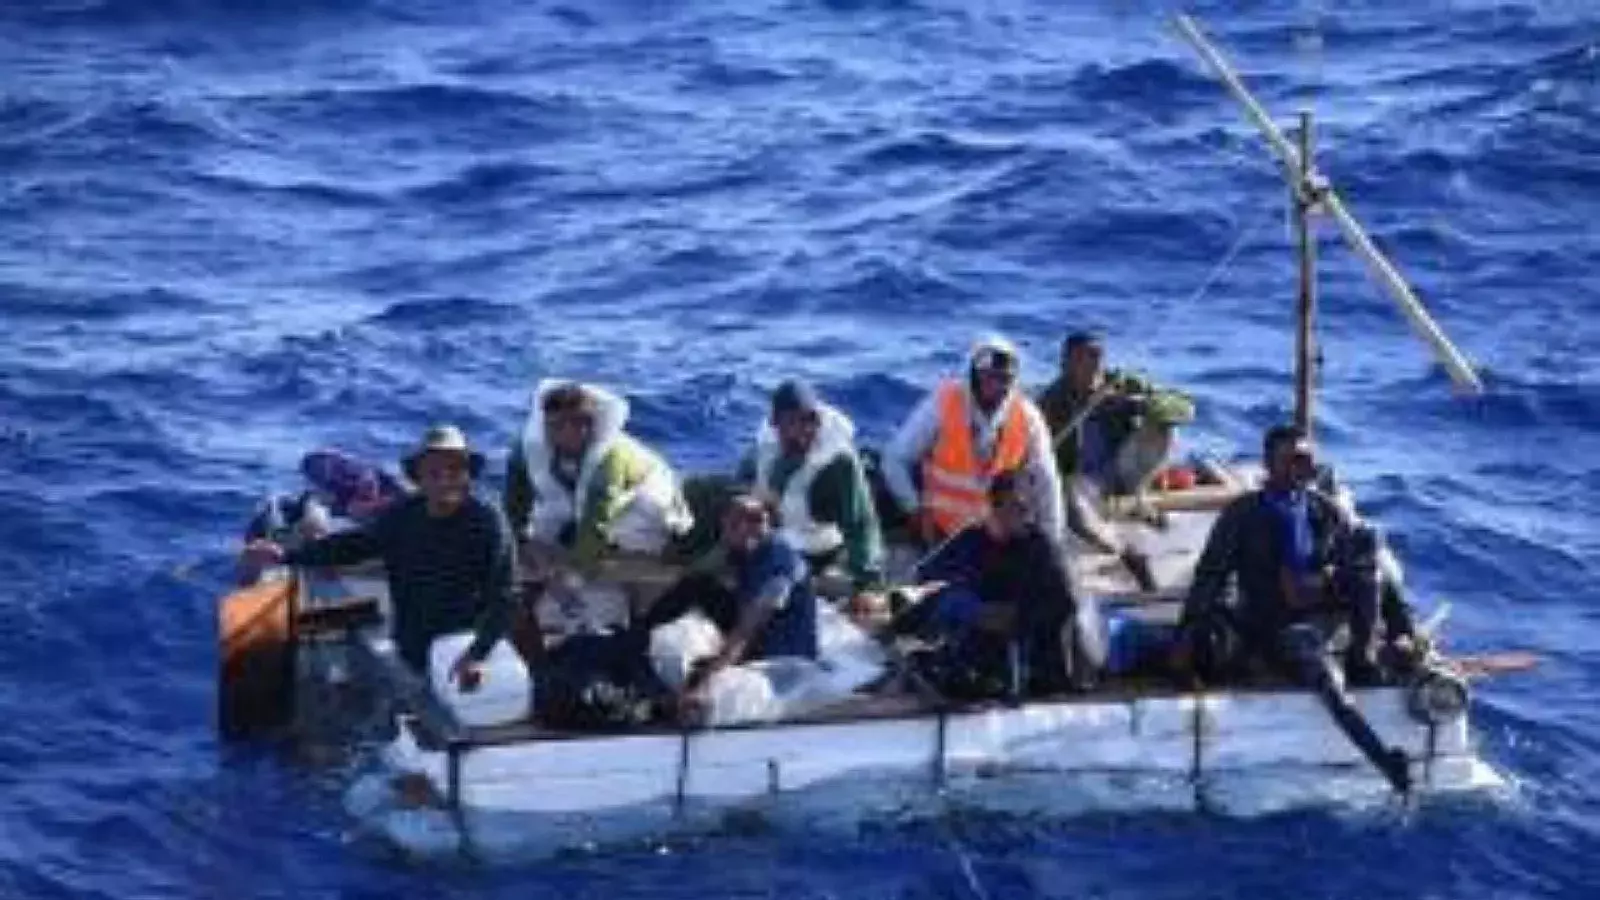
1305,571
754,588
1001,585
1299,560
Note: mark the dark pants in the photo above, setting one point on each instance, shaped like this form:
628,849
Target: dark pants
1348,618
1031,660
1302,651
701,591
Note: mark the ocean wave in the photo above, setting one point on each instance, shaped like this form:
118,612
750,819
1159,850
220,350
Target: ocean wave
632,184
484,182
477,115
1510,403
33,121
118,13
884,285
70,408
127,129
940,149
1154,84
573,16
39,303
725,74
1109,231
247,183
878,401
446,312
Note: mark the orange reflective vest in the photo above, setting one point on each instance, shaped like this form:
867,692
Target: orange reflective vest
955,481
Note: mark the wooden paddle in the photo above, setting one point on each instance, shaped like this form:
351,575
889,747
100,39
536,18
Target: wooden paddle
1489,665
1201,498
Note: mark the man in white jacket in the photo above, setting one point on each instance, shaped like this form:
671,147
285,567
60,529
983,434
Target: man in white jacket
805,465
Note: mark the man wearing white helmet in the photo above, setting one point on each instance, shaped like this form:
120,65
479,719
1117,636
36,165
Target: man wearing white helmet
963,434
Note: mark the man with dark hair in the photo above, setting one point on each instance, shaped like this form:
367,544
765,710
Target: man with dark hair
1001,583
755,588
576,480
805,464
1065,399
1305,569
1111,433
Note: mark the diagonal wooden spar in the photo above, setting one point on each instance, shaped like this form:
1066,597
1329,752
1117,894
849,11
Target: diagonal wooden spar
1384,271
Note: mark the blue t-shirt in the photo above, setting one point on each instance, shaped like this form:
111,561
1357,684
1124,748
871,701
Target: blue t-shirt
1293,513
792,630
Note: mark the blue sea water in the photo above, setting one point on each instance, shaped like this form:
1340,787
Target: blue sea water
234,230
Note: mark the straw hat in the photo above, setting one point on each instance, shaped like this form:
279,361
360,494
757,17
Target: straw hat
443,439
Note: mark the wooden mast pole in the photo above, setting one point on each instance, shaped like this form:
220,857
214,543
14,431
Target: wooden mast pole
1305,351
1329,201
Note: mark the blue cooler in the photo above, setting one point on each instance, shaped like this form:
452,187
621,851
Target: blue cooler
1133,644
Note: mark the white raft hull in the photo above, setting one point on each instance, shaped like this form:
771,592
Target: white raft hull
1241,753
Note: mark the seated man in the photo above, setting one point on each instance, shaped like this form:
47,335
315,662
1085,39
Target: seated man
449,556
805,465
754,589
1304,570
578,486
1002,583
965,433
1089,411
339,486
1112,434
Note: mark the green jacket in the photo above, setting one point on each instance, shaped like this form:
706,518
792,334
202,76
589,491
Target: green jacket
1110,424
624,468
839,495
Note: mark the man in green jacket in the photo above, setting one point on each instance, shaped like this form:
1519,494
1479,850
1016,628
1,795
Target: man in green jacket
805,466
578,482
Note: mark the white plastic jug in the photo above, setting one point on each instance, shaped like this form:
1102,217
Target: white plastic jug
505,693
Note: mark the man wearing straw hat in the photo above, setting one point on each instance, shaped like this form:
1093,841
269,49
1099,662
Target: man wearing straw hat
449,556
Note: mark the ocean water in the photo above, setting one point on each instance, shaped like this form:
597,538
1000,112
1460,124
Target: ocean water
233,231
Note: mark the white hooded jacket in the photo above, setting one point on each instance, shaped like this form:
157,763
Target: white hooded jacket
652,514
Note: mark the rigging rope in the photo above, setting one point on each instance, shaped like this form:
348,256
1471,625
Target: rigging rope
1218,269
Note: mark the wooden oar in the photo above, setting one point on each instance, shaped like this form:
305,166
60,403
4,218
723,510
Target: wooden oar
1488,665
1202,498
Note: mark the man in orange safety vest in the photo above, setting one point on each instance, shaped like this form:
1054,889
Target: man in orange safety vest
965,432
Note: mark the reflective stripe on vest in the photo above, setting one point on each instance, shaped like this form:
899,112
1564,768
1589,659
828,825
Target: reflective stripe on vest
955,481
